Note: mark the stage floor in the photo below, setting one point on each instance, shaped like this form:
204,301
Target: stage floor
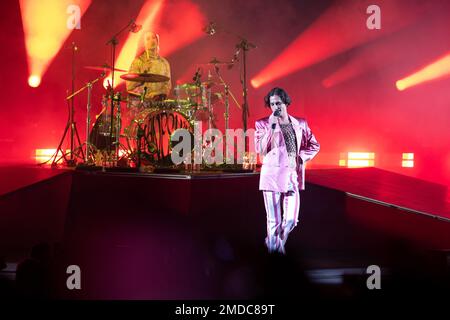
371,184
201,235
387,188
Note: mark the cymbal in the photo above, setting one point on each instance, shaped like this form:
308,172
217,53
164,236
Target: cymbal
144,77
103,68
134,94
215,62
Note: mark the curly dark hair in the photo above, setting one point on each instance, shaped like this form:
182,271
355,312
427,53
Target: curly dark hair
277,92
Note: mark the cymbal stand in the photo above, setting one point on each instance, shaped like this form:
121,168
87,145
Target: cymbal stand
228,94
243,46
88,118
114,42
118,119
118,128
211,122
226,114
88,122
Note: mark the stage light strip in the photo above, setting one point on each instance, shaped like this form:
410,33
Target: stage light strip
435,70
359,163
408,156
407,164
44,155
408,160
45,26
357,159
361,155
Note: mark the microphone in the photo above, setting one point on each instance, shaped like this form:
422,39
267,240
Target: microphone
276,113
135,28
210,29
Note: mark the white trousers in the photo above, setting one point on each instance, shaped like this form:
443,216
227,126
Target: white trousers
282,209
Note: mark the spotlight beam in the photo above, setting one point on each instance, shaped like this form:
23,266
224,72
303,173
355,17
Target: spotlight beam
435,70
340,28
45,26
174,32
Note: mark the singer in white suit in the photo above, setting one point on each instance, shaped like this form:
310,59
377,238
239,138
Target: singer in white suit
286,144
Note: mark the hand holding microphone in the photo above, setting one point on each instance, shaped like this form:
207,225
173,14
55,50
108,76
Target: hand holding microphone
273,117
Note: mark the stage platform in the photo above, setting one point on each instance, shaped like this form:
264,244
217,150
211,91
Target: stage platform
387,188
201,235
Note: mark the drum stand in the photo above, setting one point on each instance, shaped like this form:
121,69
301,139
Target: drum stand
59,151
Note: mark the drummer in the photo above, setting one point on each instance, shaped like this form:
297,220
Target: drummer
150,62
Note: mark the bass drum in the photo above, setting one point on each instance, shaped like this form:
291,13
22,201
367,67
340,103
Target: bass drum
150,133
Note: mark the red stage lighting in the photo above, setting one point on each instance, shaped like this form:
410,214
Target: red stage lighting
146,18
34,81
46,27
340,28
435,70
174,32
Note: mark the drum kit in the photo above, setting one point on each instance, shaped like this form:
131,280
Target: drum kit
131,129
142,128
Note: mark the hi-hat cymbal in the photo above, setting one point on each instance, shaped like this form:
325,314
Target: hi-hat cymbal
122,98
187,86
193,86
144,77
103,68
179,102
